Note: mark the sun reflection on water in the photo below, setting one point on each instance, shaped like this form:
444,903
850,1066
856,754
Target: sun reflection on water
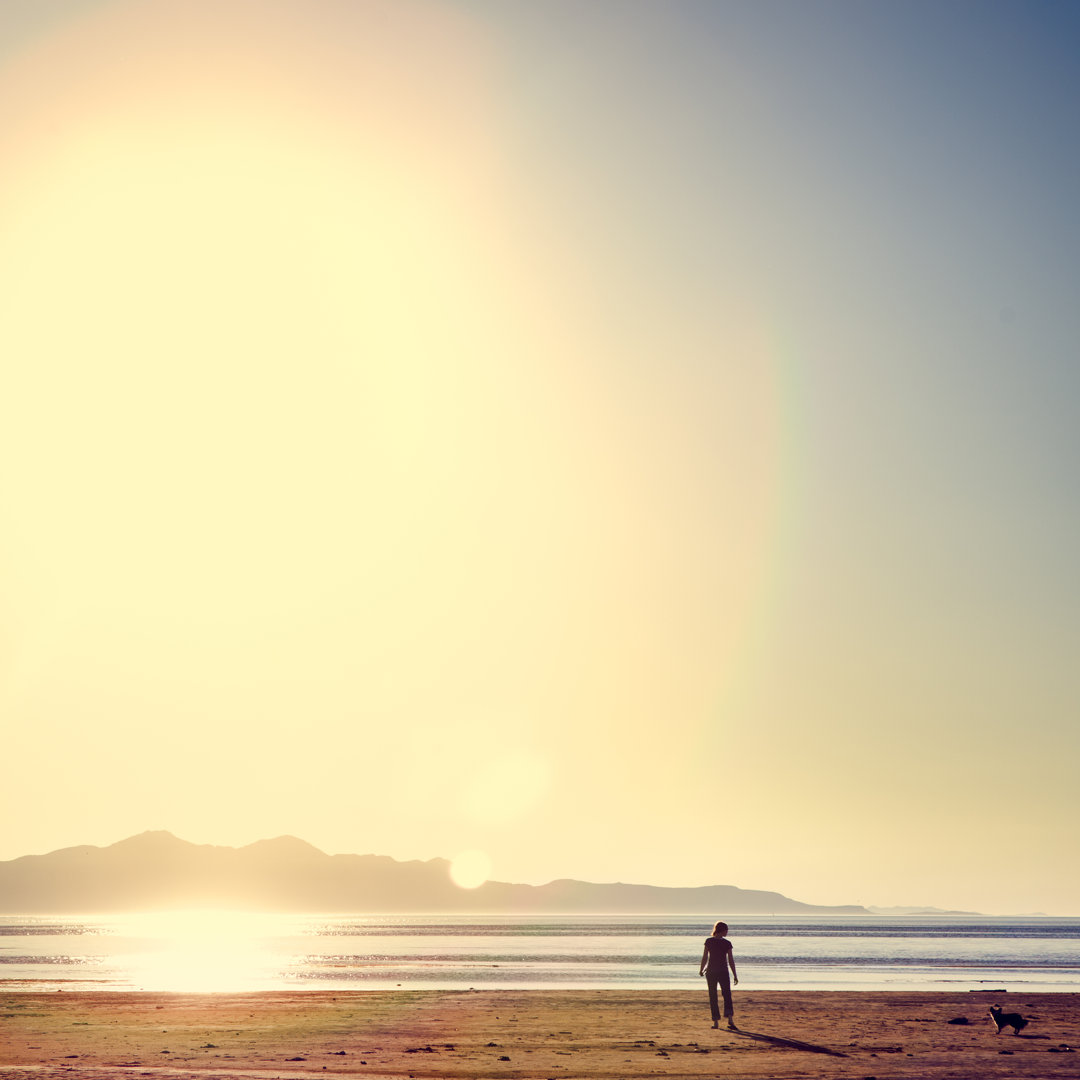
205,951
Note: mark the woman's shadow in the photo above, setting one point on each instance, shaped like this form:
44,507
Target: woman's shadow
787,1044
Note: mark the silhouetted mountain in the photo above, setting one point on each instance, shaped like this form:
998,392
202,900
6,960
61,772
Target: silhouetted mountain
918,911
155,871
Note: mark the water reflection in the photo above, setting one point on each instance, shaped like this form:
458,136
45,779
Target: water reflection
206,951
227,951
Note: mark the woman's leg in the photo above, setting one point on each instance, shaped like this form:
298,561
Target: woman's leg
725,987
714,1005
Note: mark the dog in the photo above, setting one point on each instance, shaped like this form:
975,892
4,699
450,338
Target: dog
1004,1020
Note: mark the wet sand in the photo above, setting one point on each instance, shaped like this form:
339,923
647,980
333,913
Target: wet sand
535,1033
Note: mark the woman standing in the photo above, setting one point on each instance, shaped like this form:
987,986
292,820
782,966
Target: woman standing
715,959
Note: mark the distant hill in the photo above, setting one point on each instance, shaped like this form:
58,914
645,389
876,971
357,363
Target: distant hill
918,911
156,871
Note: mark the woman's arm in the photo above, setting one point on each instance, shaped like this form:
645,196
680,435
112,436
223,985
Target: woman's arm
731,962
704,960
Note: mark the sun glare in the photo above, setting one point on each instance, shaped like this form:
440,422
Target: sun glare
204,951
470,869
506,788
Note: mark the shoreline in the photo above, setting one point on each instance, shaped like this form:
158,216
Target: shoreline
512,1034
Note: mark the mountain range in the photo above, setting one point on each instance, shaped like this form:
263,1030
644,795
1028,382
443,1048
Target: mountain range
157,871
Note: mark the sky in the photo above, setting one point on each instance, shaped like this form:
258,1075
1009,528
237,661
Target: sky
623,441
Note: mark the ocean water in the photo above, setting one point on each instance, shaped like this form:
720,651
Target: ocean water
232,952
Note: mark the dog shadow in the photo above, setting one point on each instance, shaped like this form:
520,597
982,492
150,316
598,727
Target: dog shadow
788,1044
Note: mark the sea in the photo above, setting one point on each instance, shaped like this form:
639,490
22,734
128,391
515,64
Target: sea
218,951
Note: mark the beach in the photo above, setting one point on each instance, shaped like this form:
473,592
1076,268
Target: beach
533,1033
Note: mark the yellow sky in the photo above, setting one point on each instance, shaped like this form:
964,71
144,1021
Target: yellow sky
405,448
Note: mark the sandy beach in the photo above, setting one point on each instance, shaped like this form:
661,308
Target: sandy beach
510,1034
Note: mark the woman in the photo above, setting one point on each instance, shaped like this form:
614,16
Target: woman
715,959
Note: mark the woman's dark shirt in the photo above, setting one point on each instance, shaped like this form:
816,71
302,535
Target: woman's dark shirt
718,949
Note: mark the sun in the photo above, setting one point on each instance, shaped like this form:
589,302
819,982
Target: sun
470,869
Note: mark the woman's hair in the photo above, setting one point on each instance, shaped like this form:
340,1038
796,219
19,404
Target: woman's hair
720,929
